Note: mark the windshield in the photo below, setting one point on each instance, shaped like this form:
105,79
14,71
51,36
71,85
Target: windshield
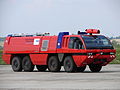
97,42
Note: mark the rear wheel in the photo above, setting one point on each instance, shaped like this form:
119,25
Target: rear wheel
81,69
54,64
95,67
41,67
27,64
69,64
16,64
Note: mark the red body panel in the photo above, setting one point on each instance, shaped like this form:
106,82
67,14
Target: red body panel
80,60
21,45
39,59
6,58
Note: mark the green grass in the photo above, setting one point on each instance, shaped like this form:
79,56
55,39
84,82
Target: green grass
1,61
117,59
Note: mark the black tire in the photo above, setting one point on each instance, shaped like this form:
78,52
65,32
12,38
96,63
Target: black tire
69,64
54,64
81,69
16,64
95,67
27,64
41,67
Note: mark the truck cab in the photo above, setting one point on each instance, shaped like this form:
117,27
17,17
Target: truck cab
88,49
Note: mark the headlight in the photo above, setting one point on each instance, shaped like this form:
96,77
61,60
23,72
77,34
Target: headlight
90,54
101,53
112,53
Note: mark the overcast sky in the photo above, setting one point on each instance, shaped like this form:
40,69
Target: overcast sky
31,16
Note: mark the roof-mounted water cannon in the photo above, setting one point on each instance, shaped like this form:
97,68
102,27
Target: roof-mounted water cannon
92,31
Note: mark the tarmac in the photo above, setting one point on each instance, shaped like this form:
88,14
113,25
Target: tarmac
107,79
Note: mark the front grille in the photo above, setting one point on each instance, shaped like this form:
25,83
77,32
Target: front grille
102,60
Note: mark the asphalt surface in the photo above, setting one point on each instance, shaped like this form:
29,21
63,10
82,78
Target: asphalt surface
108,78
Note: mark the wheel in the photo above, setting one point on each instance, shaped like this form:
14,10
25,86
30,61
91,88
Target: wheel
95,67
54,64
41,67
81,69
16,64
27,64
69,64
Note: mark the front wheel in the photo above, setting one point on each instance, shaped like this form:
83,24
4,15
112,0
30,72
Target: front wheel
69,64
95,67
27,64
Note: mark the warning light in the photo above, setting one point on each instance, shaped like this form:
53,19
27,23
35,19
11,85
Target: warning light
92,31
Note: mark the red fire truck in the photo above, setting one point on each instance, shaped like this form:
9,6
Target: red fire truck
73,52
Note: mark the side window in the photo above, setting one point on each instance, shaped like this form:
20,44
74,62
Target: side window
75,43
44,45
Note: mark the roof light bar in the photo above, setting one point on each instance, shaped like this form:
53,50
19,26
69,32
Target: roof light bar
92,31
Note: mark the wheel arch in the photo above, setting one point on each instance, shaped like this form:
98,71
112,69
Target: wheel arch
17,55
61,56
49,55
65,55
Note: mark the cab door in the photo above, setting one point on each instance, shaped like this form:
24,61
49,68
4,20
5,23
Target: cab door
77,50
